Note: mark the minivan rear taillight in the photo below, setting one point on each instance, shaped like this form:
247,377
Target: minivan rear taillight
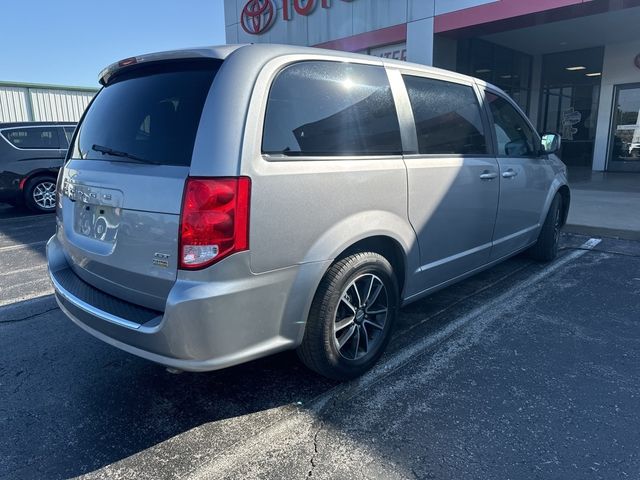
215,220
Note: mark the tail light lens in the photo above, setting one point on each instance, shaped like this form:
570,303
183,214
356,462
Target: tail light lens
215,220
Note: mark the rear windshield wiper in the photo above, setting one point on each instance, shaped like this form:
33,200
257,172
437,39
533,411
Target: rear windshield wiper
117,153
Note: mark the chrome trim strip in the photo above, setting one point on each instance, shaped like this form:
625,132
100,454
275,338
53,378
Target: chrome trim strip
514,235
468,274
442,261
451,258
85,307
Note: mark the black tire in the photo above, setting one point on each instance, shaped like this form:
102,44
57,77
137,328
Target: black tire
37,203
320,349
546,248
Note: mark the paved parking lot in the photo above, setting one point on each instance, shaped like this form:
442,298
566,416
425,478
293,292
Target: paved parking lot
524,371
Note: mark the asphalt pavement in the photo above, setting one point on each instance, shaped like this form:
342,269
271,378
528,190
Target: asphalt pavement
23,238
524,371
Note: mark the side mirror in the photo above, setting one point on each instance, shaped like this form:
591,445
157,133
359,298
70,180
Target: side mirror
551,143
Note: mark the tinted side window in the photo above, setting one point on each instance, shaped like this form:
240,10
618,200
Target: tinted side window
328,108
447,116
515,137
34,138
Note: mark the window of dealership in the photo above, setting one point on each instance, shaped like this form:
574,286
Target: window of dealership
572,65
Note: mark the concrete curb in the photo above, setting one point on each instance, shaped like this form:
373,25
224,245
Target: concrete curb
602,232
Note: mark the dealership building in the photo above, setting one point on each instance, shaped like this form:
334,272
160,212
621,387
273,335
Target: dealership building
572,65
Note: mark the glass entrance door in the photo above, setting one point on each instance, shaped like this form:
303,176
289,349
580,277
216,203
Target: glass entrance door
569,101
624,148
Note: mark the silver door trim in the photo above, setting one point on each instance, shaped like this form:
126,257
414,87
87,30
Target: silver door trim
446,283
516,234
471,251
451,258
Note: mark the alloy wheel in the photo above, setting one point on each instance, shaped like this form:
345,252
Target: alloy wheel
44,195
360,316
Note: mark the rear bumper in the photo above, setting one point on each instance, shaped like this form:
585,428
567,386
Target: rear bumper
213,318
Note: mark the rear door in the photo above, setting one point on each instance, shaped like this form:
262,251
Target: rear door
453,180
122,187
525,177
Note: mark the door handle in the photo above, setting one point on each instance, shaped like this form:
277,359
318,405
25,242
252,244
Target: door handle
509,173
486,175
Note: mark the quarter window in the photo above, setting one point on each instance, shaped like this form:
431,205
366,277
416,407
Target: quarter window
329,108
514,135
33,138
447,116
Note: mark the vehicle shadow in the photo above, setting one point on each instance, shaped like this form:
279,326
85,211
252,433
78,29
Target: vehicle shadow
71,404
9,211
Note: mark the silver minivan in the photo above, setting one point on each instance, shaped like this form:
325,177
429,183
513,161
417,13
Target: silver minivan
221,204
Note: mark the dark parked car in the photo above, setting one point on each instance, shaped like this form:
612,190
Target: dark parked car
31,153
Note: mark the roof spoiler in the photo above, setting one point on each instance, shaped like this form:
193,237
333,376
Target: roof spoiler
219,53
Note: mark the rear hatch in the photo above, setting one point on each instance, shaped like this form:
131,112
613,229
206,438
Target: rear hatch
121,190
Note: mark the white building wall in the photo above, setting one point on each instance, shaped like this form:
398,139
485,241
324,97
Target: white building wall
618,69
59,105
30,103
13,104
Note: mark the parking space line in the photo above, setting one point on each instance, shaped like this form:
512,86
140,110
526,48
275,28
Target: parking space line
591,243
42,266
40,294
511,297
22,245
302,419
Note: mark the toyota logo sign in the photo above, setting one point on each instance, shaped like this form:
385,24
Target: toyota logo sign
257,16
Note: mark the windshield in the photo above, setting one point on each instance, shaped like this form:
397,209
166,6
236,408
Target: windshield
149,114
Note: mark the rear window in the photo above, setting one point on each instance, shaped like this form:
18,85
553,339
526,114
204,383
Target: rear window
330,108
39,138
150,113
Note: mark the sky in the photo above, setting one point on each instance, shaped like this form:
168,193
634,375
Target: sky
68,42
